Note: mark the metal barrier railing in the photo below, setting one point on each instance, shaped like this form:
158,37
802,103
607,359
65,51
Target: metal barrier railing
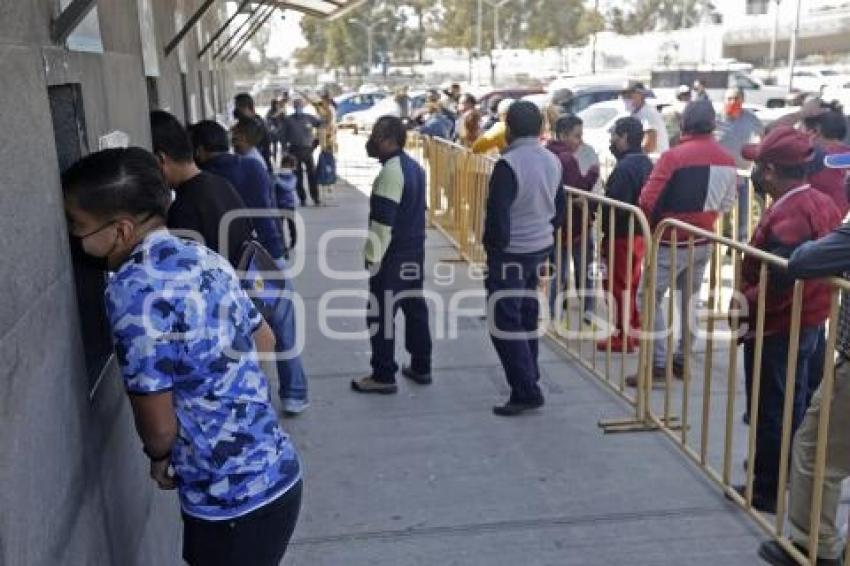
570,299
457,202
766,263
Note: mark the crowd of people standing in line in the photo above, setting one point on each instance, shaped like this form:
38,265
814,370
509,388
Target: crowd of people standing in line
202,404
799,175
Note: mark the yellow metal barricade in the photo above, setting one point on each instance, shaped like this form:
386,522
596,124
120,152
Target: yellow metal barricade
685,239
569,328
458,182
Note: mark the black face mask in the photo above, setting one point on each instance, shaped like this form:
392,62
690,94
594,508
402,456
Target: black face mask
615,151
86,259
757,178
372,148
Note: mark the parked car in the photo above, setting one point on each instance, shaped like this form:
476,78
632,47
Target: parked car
355,102
813,79
516,93
365,119
584,96
665,82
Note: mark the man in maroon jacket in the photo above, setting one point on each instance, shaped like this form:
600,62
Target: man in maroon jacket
798,213
568,140
694,182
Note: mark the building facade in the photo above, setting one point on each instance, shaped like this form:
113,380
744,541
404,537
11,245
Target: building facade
75,482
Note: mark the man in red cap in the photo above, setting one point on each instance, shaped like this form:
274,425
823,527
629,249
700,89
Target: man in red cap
798,214
821,258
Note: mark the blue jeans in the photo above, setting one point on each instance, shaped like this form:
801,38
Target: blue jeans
399,276
744,206
584,285
774,364
517,273
290,372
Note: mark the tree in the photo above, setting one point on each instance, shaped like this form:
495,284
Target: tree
532,24
641,16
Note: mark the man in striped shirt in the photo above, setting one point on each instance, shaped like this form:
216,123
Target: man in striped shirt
394,255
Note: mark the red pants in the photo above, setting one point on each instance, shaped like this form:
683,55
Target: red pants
623,280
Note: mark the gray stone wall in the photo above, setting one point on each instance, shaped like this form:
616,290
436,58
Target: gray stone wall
75,487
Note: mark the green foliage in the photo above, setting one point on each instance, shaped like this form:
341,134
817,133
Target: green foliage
639,16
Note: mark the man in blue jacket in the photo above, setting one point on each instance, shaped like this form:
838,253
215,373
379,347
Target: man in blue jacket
525,204
394,255
251,180
253,184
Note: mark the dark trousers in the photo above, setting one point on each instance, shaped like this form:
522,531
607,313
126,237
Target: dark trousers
398,285
306,163
513,307
774,365
259,538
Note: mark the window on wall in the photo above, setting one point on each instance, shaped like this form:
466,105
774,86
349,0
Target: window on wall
184,91
69,131
153,93
86,36
202,94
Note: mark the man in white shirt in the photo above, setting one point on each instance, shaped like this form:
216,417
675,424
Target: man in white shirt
655,137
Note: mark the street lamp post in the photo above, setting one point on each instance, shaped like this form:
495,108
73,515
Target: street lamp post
775,37
792,50
369,28
496,5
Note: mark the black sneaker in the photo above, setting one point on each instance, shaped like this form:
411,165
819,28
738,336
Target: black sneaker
369,385
773,553
415,376
514,408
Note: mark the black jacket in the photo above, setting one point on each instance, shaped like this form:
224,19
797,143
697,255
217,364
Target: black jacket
624,184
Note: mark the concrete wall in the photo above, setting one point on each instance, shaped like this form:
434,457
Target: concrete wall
75,487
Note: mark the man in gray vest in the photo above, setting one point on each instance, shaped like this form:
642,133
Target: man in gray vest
524,205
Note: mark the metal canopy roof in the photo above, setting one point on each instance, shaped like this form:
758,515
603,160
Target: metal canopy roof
330,9
259,14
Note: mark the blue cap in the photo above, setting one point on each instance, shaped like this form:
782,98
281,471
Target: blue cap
837,161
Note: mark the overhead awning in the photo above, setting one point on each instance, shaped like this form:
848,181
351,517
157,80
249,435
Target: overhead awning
329,9
325,9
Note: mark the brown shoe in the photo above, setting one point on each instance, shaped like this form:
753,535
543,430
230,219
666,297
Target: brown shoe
369,385
659,378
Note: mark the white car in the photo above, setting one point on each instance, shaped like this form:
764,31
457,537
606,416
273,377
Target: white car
814,79
365,119
600,118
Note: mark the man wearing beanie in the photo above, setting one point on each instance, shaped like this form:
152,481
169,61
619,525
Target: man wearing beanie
694,182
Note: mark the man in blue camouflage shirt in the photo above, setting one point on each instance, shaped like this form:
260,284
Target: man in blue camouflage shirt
187,339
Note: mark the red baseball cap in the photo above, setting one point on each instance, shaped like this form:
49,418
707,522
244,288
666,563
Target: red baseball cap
784,145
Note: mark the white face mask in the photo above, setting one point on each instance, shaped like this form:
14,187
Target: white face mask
630,105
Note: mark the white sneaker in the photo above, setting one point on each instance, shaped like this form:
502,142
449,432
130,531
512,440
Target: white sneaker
294,406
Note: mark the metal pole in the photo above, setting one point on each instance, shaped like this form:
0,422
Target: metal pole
792,52
593,43
189,25
774,38
369,51
479,43
220,31
251,32
239,28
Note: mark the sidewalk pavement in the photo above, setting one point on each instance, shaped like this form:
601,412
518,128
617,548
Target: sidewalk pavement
430,476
